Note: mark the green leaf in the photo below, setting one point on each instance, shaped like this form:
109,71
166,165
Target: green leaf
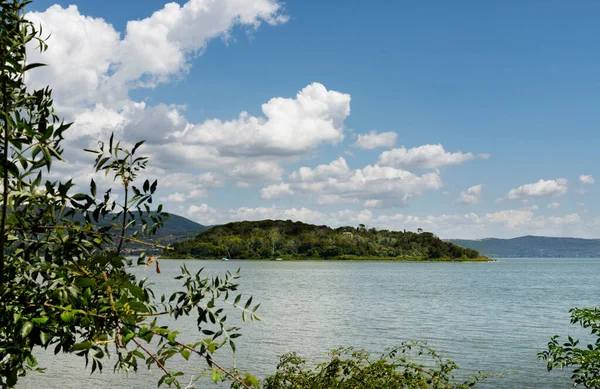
82,346
26,329
31,361
171,337
185,353
215,376
45,337
33,66
138,144
67,316
39,320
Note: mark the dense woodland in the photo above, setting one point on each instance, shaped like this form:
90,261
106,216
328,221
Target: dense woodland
268,239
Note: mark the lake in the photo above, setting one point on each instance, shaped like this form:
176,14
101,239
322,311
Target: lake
484,316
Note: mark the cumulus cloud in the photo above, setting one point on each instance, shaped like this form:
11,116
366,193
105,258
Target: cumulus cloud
553,205
586,179
186,187
93,68
289,126
372,185
90,63
374,140
511,218
470,196
272,192
542,188
422,157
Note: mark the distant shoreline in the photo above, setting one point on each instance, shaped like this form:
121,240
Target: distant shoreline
360,259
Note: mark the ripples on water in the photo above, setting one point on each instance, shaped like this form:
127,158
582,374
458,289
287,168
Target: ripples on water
484,316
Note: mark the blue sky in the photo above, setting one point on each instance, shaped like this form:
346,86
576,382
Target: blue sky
499,97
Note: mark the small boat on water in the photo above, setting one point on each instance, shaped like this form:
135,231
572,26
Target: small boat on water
224,259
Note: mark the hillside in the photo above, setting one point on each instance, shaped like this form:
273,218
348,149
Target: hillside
533,247
268,239
174,228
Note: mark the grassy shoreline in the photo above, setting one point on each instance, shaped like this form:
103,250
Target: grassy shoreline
345,258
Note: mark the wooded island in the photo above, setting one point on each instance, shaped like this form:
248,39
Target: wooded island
270,239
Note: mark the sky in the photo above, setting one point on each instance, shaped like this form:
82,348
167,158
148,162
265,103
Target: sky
467,119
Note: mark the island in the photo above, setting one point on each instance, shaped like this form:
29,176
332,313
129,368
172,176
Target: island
288,240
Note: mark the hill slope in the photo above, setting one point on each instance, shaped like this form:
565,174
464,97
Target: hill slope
533,247
174,228
295,240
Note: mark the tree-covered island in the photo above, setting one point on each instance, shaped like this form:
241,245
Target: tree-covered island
270,239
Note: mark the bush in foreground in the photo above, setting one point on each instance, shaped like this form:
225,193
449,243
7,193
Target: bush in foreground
411,365
585,361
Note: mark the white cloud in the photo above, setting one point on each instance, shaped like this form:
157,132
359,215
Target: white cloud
92,69
511,218
586,179
553,205
568,219
470,196
256,170
374,140
505,223
188,187
335,169
272,192
290,126
90,63
542,188
82,51
422,157
174,198
374,186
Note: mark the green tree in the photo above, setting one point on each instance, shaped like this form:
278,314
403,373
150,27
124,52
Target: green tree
585,361
64,284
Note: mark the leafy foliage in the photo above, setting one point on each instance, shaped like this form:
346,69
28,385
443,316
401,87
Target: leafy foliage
356,369
585,360
272,238
64,283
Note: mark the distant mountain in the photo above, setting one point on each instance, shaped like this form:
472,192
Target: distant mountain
175,228
533,247
178,227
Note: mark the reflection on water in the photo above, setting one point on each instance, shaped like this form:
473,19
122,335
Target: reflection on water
484,316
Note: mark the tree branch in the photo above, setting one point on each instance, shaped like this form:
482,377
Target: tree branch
158,363
208,359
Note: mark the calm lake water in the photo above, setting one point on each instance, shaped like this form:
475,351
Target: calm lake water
484,316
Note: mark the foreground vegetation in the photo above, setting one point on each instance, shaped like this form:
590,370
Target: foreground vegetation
65,284
269,239
350,369
583,360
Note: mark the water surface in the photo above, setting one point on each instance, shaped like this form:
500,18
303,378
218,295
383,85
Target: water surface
484,316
